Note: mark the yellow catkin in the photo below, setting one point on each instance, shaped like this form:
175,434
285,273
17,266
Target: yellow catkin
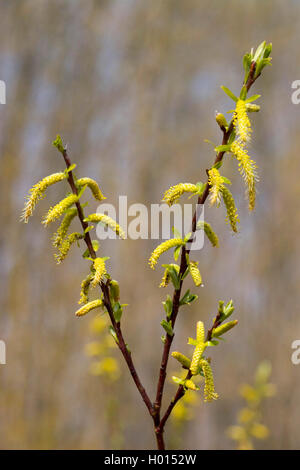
195,273
232,215
220,330
88,307
247,169
184,361
100,271
166,277
37,192
190,385
85,285
241,122
200,331
216,186
211,235
93,185
196,358
173,194
209,387
65,246
252,108
162,248
64,226
60,208
221,120
108,221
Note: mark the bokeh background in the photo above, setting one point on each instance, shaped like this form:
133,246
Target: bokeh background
133,86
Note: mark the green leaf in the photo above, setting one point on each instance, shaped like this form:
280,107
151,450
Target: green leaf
222,148
163,339
228,309
252,98
243,93
247,62
229,93
168,306
174,277
226,180
117,309
259,51
167,326
95,244
176,232
261,64
81,191
207,141
113,333
268,50
217,165
177,380
187,237
231,138
185,273
188,298
212,342
176,252
58,143
192,342
71,168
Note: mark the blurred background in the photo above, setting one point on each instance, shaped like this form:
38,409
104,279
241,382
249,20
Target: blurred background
133,86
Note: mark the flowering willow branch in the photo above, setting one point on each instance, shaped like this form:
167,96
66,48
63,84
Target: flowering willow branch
236,137
240,126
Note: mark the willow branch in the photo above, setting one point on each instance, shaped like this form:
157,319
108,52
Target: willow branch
106,298
183,267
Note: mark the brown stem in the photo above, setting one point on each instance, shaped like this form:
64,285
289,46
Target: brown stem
105,289
177,293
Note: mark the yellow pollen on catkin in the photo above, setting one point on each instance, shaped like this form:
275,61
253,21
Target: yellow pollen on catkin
108,221
216,185
209,387
190,385
232,216
93,185
85,286
211,235
162,248
184,361
247,169
195,273
60,208
64,226
220,330
37,192
88,307
173,194
166,277
200,332
65,246
196,358
241,122
100,271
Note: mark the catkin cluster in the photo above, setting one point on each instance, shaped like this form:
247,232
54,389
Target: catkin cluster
247,166
173,194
